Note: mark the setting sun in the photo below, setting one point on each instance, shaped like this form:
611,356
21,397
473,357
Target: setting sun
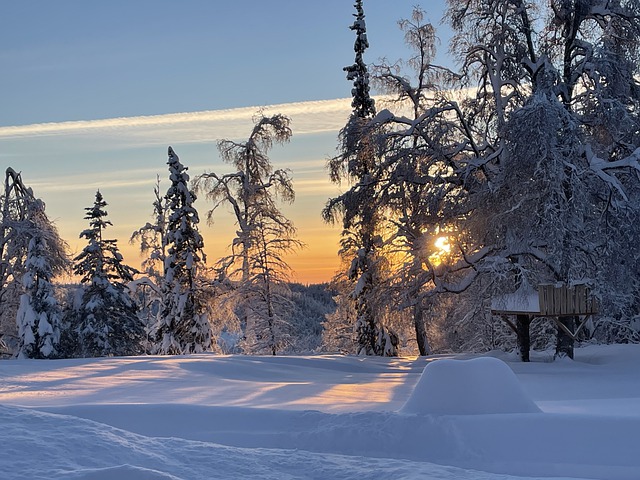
442,250
442,244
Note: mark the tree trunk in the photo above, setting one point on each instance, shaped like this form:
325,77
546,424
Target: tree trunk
564,343
366,328
421,332
523,323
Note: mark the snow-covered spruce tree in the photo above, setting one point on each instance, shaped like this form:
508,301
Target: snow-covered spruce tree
40,314
106,319
360,217
183,325
362,103
256,269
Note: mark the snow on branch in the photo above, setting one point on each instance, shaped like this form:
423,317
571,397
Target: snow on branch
600,166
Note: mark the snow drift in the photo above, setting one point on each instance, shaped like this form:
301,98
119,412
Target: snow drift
468,387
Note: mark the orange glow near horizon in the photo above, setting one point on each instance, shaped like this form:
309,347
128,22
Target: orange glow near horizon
317,262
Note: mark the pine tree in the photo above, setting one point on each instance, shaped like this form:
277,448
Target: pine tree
362,103
183,325
106,318
361,241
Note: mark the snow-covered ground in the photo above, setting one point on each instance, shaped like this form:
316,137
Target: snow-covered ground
328,417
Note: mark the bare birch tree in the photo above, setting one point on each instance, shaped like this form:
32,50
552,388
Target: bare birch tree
256,269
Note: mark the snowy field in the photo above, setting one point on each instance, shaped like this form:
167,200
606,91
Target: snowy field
328,417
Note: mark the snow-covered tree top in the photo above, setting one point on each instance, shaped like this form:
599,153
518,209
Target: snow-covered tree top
100,262
363,105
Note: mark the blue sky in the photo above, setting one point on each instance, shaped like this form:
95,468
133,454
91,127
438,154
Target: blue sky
80,64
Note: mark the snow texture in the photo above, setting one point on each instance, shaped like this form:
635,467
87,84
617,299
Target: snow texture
521,302
221,417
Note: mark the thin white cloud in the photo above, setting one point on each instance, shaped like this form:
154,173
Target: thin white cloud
313,186
193,127
88,185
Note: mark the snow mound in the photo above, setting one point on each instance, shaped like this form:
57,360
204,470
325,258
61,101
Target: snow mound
468,387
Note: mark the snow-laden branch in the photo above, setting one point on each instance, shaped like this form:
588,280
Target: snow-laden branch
600,167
